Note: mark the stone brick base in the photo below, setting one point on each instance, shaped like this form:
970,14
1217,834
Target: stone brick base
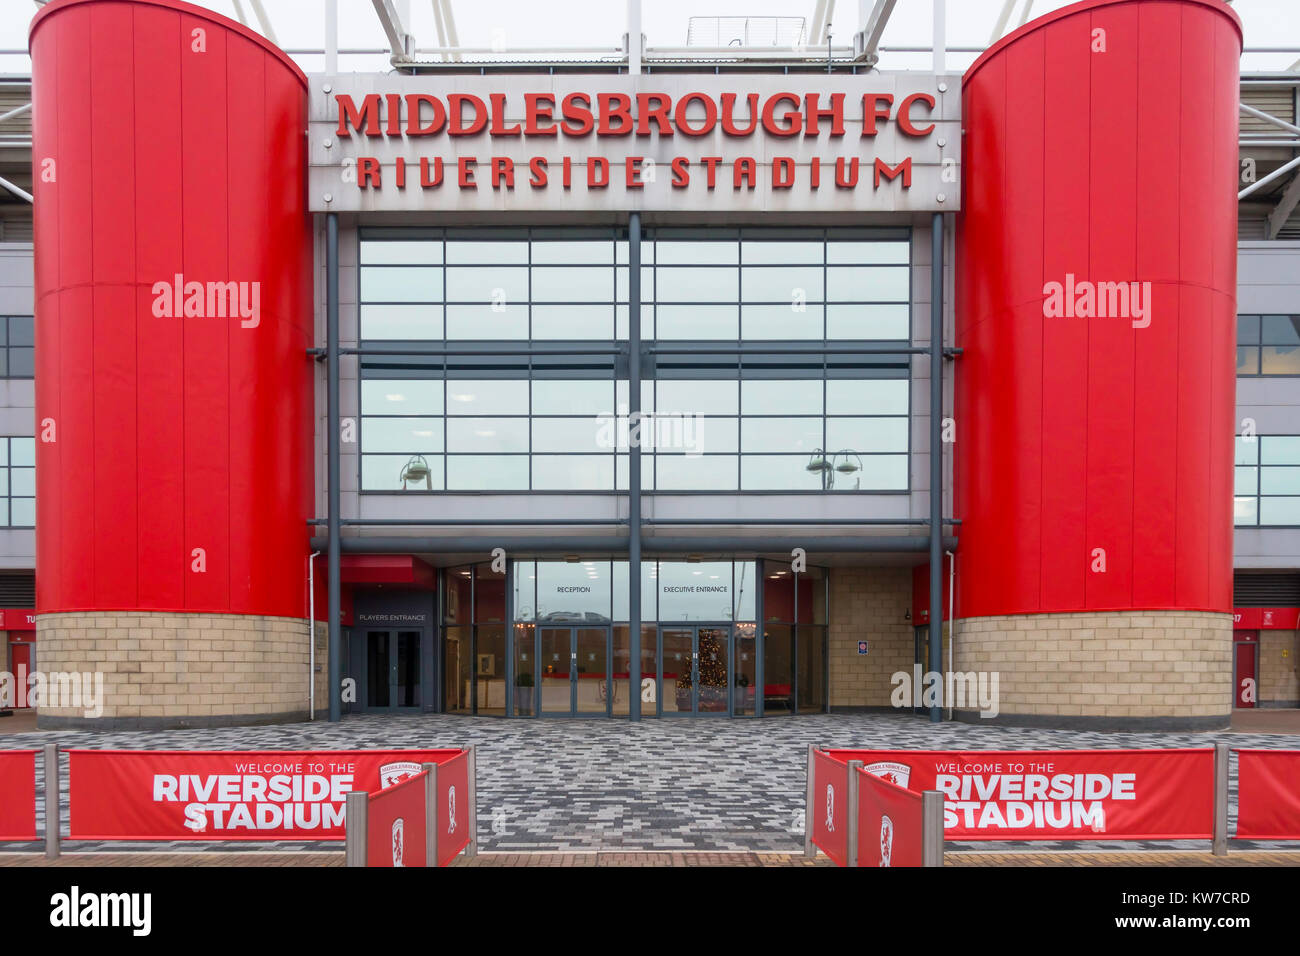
1138,670
179,670
1278,678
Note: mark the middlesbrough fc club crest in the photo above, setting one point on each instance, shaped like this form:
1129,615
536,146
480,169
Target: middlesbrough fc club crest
892,771
391,773
399,842
886,840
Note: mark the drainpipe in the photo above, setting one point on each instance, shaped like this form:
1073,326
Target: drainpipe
634,465
311,640
936,449
952,624
332,445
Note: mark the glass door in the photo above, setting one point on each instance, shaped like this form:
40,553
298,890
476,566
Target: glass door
575,678
694,670
392,670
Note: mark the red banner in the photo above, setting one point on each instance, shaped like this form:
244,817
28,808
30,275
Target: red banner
1268,794
889,823
828,813
453,811
1058,794
226,794
17,794
395,826
1266,618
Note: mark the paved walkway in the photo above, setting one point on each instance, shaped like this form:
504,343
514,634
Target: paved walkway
722,786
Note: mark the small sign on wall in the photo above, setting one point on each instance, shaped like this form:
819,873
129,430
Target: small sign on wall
862,647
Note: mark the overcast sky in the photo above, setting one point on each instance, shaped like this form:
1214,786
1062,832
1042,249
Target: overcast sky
532,23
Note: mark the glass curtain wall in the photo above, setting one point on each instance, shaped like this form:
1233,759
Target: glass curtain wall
795,653
474,640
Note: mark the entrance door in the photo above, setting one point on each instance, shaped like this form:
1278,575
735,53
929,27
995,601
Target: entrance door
21,667
1247,679
392,670
574,664
694,670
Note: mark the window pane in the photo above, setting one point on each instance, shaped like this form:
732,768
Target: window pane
868,321
22,481
673,252
401,284
867,434
502,286
781,434
1247,361
1275,360
581,252
573,592
778,473
647,284
687,433
487,434
760,396
573,472
1245,481
22,512
1279,481
697,322
867,284
696,397
763,252
401,321
384,473
22,330
781,284
879,473
867,396
697,284
487,472
1279,449
1244,511
381,396
574,434
1246,450
500,396
22,451
1279,511
575,284
885,253
401,252
22,362
1281,329
487,252
705,473
570,397
695,591
573,322
1248,329
781,322
410,435
487,321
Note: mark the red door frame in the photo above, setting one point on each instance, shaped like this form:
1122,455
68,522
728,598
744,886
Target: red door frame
1245,650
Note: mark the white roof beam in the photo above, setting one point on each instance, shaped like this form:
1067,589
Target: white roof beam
1282,212
400,41
866,45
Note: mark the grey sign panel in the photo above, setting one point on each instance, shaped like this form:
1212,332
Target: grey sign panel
799,172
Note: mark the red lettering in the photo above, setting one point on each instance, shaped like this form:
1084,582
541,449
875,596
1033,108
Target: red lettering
499,117
632,167
503,168
394,102
653,106
782,172
597,172
681,172
413,103
846,178
614,106
367,116
578,120
872,112
835,112
728,114
891,172
367,172
426,180
456,103
745,169
814,172
710,169
535,111
905,115
537,167
793,118
566,173
399,172
465,172
710,115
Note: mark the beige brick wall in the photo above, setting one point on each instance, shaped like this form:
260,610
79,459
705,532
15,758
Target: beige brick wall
869,604
177,668
1278,683
1168,664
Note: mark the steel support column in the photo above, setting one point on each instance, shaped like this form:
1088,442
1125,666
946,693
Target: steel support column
332,445
634,465
936,449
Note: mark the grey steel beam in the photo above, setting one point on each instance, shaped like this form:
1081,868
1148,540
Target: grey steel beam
611,544
1282,211
634,453
333,542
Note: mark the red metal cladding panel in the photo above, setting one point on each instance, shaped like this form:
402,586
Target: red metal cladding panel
181,478
1099,149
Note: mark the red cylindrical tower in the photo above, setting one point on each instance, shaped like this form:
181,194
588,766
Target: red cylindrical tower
173,317
1096,298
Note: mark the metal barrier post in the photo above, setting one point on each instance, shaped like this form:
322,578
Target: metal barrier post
1220,799
51,801
356,808
931,828
809,849
430,814
471,773
851,812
